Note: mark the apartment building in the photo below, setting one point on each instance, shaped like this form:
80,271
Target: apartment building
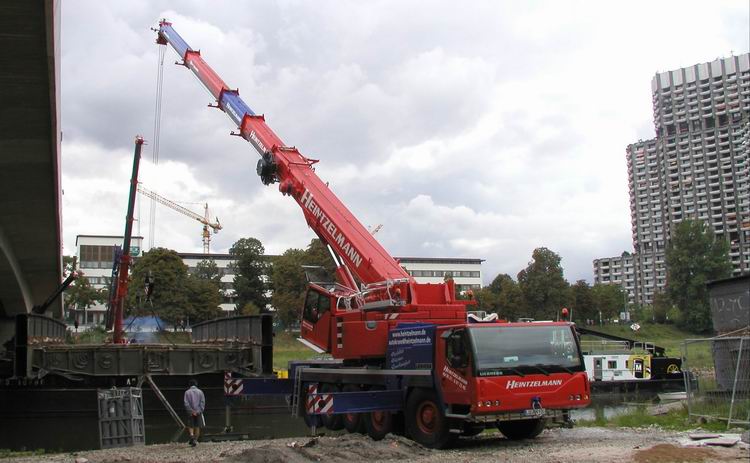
618,270
697,166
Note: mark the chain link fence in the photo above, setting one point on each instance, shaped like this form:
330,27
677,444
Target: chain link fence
717,379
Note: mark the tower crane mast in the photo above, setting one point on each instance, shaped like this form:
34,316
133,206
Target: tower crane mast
204,219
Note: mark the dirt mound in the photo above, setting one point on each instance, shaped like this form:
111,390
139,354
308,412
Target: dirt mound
666,453
347,448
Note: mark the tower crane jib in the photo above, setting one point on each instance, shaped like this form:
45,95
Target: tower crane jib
204,219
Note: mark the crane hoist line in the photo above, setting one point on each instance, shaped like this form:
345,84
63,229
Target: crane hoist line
204,219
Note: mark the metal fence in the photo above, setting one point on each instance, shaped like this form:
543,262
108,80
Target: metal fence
121,422
717,373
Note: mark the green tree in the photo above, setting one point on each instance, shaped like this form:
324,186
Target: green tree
608,299
695,256
204,297
69,264
289,284
497,283
582,302
504,297
511,302
661,307
317,254
80,296
208,270
250,268
171,296
543,286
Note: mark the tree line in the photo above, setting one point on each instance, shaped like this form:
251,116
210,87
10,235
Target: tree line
694,257
182,296
540,291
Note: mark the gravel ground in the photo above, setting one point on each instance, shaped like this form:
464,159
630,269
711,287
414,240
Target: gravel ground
647,445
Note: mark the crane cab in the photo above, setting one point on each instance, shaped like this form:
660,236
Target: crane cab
317,313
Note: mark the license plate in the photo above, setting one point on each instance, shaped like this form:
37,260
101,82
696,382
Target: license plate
534,412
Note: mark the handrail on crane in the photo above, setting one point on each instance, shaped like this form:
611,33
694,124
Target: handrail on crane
204,219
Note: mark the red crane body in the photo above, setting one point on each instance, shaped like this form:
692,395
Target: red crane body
349,320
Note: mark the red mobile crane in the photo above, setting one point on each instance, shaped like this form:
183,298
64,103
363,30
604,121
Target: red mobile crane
405,353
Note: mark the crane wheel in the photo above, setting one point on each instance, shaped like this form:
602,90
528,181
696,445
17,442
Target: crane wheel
332,422
521,429
353,422
378,424
426,422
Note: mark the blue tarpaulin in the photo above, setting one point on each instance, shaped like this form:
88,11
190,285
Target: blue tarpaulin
142,329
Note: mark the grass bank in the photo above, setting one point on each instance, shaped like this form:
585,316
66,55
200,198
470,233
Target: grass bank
286,348
674,420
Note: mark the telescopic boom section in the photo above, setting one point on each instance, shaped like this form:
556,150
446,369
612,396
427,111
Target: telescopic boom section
324,212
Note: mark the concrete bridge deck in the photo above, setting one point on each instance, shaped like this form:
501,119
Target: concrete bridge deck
30,193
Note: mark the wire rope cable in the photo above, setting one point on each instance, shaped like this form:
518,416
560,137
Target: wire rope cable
156,138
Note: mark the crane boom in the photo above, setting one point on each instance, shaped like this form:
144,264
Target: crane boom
215,226
329,218
347,320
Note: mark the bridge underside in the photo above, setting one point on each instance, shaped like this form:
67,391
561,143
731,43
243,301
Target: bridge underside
30,238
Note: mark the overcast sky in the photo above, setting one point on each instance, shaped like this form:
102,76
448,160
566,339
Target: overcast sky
475,129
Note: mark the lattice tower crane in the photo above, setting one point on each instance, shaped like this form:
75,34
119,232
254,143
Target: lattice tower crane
204,219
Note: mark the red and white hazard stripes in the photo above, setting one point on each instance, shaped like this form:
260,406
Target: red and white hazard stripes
391,316
232,386
318,403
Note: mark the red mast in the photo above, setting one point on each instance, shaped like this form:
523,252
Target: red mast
121,291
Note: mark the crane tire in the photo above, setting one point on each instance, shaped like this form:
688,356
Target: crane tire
521,429
353,422
378,424
426,422
332,422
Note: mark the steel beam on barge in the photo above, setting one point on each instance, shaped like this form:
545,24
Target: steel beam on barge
139,359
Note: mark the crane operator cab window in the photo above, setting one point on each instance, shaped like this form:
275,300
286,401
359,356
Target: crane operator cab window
316,304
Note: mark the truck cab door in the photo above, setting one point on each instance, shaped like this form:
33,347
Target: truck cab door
316,318
456,370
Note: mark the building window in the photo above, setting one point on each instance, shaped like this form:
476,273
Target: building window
97,256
